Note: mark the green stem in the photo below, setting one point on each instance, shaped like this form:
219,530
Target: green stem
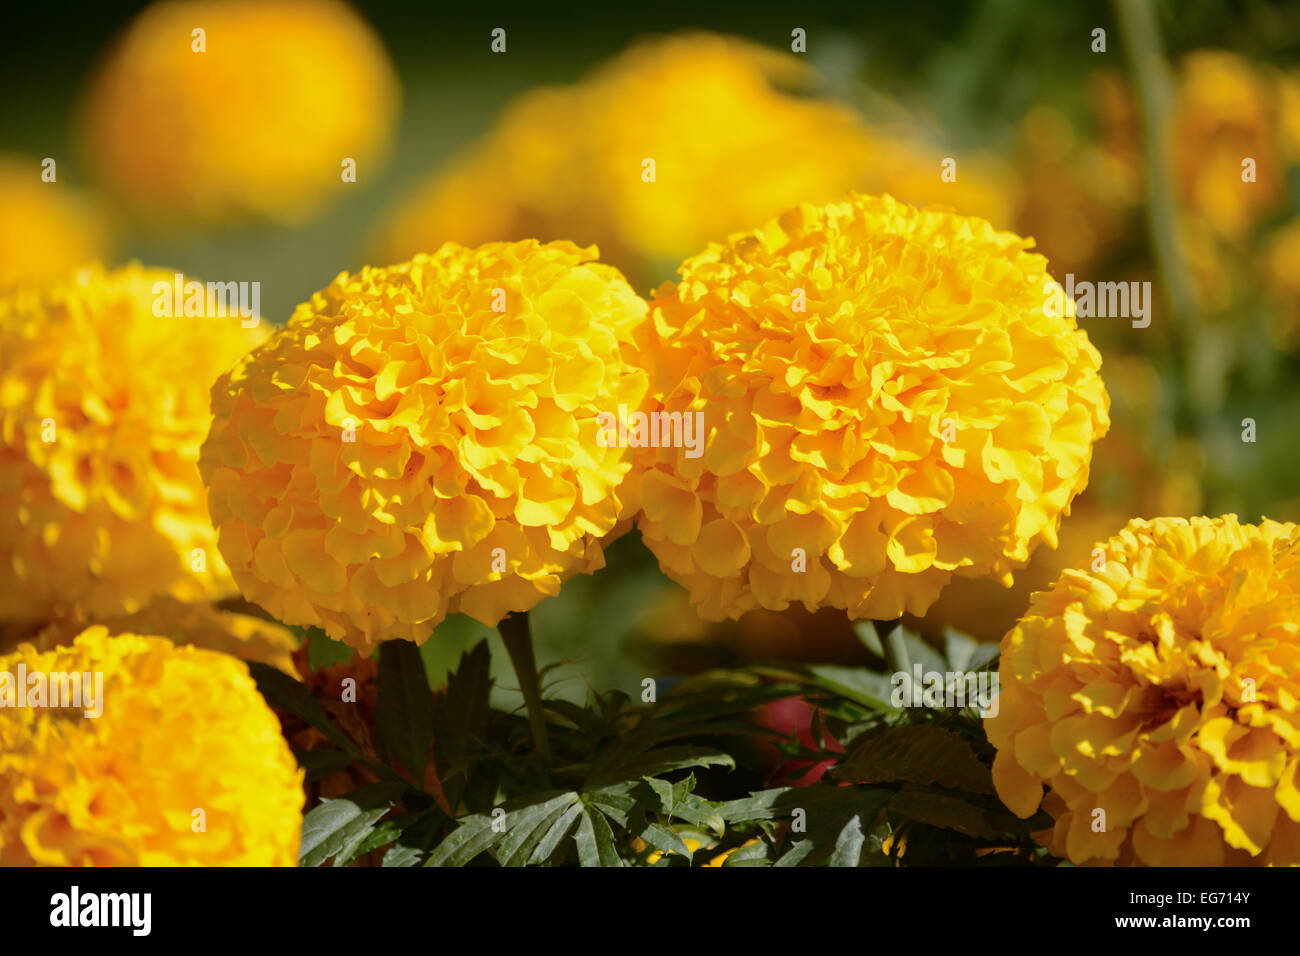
519,645
1155,93
891,636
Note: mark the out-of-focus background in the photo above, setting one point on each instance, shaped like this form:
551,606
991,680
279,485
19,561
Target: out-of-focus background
229,163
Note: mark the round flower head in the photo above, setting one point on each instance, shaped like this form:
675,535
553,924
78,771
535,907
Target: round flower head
229,109
103,406
1160,684
881,398
424,439
168,757
46,229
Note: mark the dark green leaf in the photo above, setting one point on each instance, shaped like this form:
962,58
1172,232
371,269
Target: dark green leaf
461,718
941,810
404,708
282,692
322,762
917,753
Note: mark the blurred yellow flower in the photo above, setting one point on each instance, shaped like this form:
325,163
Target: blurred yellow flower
423,439
728,143
1226,113
1164,691
256,124
1078,196
193,624
46,229
185,766
103,407
887,401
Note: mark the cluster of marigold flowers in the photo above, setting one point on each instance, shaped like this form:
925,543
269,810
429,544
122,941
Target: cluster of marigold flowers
886,406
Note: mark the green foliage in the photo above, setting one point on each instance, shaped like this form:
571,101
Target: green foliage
631,784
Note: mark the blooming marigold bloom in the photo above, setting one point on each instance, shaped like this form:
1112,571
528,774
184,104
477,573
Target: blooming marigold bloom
423,439
196,624
181,730
887,402
256,124
103,407
1164,690
46,229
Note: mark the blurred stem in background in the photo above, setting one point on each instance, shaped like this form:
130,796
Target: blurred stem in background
1203,354
518,639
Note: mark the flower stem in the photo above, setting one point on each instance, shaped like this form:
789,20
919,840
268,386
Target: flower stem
519,645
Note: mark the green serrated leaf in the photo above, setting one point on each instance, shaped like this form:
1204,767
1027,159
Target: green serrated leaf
460,719
665,840
917,753
525,829
848,845
512,837
660,761
282,692
416,840
827,811
595,840
337,827
941,810
763,805
404,707
552,841
750,854
866,687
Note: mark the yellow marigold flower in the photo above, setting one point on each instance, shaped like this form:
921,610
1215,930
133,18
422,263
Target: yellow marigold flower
1164,690
887,400
46,229
194,624
182,730
727,141
423,439
103,407
257,123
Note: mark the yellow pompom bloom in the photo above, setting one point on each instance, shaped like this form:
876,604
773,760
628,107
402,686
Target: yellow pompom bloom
103,407
193,624
181,730
424,439
1163,690
46,229
887,397
673,142
229,109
